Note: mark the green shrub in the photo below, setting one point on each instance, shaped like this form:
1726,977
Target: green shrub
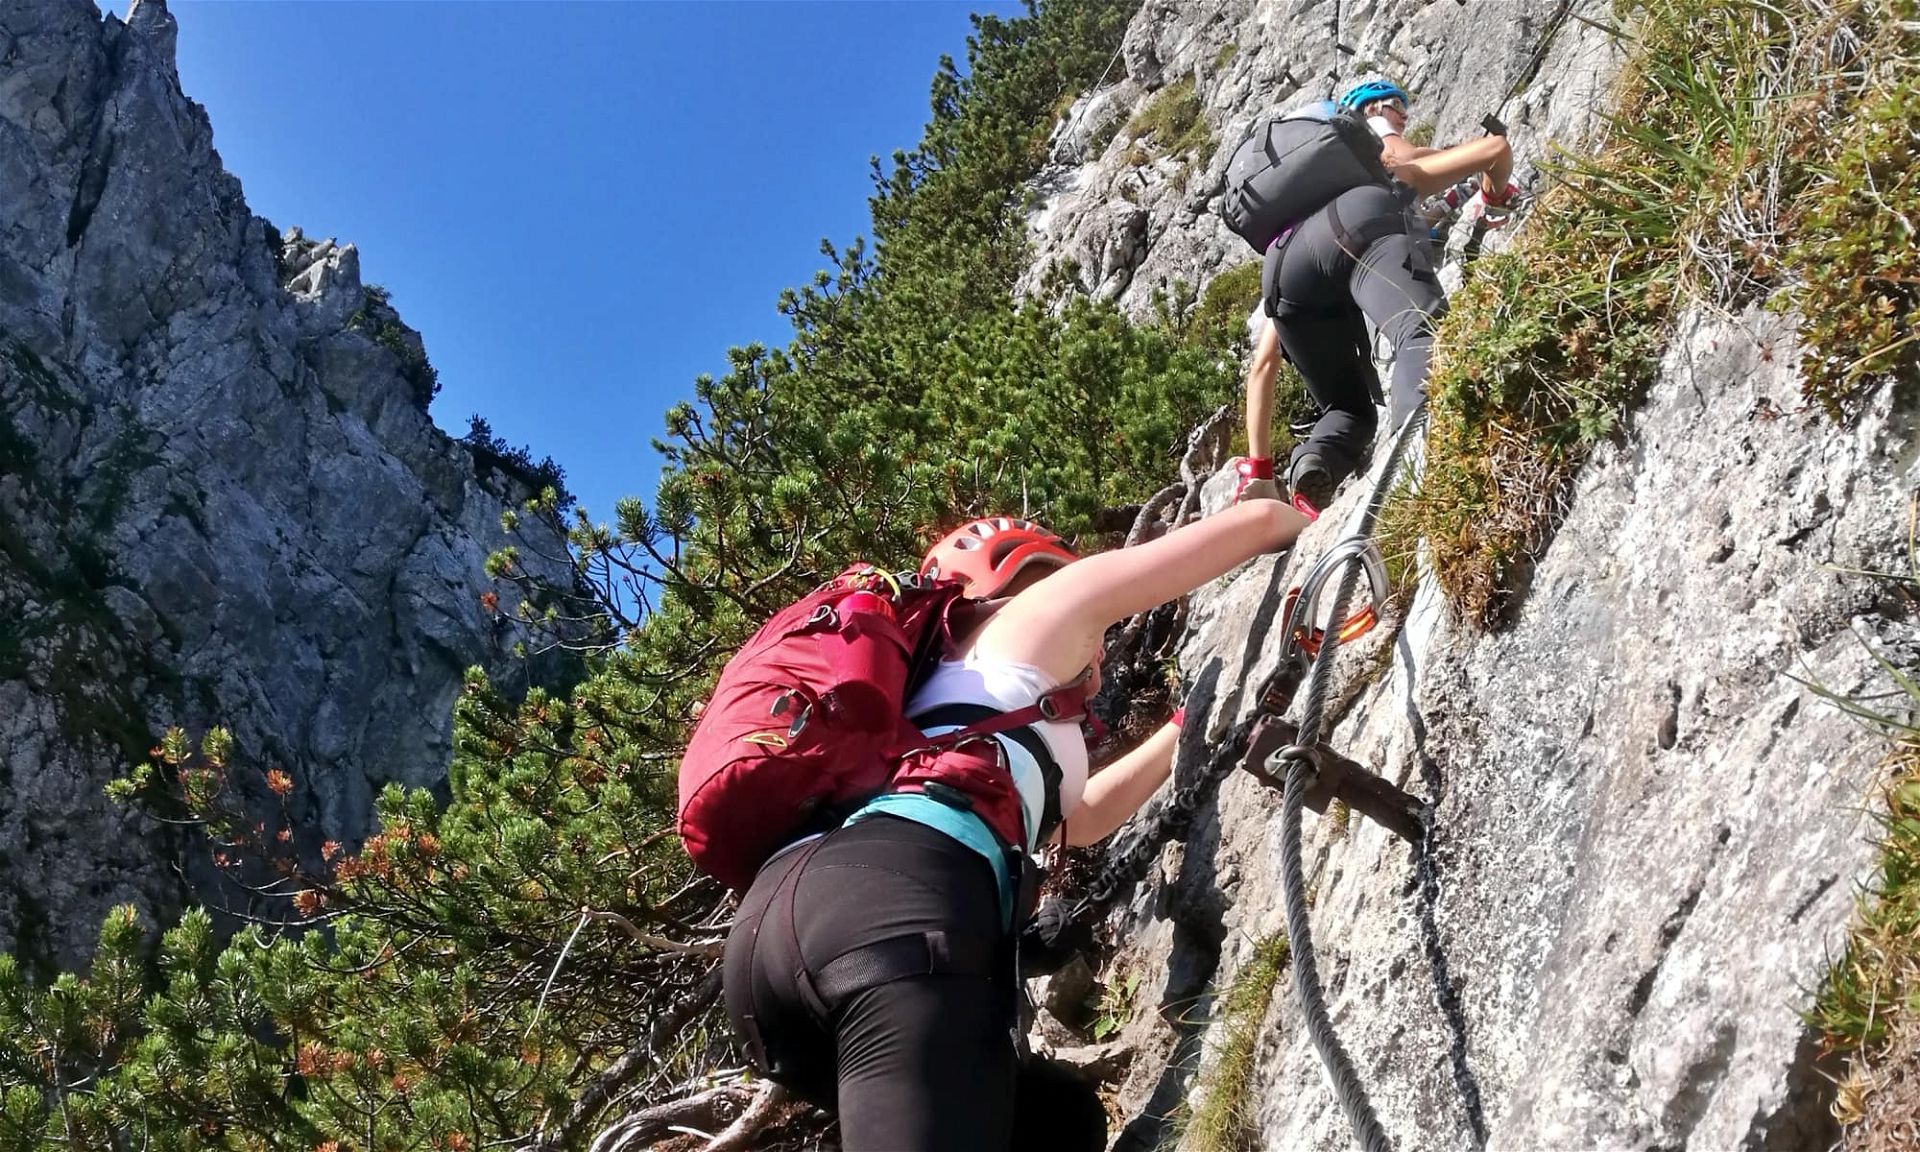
378,319
492,452
1220,320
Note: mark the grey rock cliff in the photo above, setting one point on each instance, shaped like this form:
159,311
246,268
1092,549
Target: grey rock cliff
221,495
1649,829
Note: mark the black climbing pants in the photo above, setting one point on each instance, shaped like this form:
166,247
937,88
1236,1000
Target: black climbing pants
1356,260
868,972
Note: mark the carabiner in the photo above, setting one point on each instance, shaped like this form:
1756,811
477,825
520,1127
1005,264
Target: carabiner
1302,603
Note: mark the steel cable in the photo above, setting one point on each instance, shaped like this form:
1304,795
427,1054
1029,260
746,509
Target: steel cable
1351,1093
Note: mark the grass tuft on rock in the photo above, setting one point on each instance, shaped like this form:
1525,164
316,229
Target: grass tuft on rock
1172,121
1868,1008
1855,261
1222,1120
1718,167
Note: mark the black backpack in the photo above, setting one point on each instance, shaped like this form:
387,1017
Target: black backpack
1292,167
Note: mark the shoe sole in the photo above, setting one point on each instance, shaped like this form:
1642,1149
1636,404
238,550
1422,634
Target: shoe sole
1316,488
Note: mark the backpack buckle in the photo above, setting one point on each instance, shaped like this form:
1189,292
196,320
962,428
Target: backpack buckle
868,578
947,794
785,701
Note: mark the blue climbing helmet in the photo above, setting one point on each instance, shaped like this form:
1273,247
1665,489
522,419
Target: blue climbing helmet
1364,92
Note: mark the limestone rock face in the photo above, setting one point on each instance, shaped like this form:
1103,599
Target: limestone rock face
1648,826
1648,829
221,495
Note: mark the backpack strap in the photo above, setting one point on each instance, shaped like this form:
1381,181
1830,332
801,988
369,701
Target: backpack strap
963,715
1357,240
1062,705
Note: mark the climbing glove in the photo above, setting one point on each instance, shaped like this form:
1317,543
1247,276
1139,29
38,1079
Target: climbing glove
1495,211
1051,938
1256,479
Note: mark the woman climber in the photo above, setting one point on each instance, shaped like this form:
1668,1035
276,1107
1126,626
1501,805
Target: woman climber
872,968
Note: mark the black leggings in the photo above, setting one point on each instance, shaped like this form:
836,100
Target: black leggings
1321,287
917,1063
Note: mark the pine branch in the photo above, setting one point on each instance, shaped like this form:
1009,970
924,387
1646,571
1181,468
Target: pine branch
637,1061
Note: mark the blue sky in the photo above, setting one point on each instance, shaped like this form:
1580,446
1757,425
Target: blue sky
580,205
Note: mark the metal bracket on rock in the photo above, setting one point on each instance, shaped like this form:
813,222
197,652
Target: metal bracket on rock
1334,778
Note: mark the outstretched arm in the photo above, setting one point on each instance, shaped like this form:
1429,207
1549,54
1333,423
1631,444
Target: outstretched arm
1117,791
1432,172
1057,624
1395,151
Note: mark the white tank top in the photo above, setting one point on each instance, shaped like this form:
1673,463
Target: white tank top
1006,686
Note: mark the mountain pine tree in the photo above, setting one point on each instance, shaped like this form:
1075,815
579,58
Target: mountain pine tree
536,954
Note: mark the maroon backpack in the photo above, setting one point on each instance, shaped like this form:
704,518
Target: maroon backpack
806,722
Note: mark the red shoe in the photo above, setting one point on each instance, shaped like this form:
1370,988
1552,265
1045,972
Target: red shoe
1313,486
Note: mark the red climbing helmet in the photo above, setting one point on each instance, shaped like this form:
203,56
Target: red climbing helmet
987,554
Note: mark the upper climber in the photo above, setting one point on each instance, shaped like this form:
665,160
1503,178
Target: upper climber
1362,256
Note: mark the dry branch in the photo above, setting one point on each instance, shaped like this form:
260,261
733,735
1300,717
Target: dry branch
637,1061
741,1132
699,1112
